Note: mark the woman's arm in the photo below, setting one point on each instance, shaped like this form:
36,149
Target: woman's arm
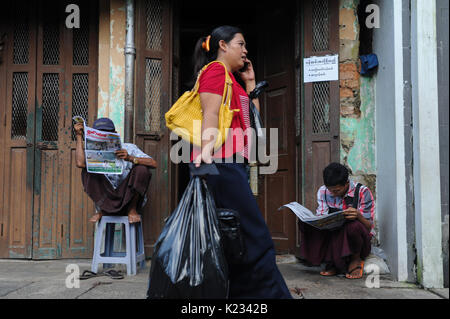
210,107
249,78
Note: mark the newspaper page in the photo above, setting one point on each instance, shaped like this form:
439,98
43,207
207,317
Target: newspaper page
100,148
325,222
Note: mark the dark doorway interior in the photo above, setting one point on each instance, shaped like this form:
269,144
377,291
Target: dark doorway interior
269,31
198,19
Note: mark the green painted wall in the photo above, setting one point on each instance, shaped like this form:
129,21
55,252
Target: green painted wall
358,137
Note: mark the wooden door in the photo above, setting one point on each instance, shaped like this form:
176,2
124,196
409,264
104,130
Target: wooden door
154,69
18,73
276,61
50,76
321,112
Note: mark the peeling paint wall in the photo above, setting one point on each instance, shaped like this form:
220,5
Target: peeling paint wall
111,84
357,102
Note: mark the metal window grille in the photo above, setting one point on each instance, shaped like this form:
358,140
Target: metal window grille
321,107
152,109
50,106
81,38
320,25
80,97
21,42
154,34
50,46
175,84
19,106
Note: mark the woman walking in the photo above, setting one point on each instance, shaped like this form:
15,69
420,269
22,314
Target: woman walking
258,275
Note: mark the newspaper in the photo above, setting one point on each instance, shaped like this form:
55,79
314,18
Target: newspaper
325,222
100,148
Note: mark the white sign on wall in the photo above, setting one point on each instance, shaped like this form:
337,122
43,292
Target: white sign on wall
322,68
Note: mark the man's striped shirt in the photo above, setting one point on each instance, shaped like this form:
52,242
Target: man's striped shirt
366,204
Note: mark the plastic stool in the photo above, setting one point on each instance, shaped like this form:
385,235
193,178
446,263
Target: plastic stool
130,258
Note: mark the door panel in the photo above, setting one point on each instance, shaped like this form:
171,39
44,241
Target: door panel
278,111
66,68
50,73
153,96
19,66
81,78
321,113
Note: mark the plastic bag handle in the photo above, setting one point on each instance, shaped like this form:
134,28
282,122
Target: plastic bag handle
203,170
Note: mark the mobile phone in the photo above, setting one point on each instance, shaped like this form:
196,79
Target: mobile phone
246,64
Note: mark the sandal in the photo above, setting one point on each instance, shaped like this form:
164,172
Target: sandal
88,274
360,273
113,274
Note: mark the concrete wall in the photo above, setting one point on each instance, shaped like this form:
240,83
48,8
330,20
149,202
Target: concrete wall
390,152
111,86
443,85
392,105
425,106
408,124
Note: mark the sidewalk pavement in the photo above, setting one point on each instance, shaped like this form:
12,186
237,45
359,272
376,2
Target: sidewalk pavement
24,279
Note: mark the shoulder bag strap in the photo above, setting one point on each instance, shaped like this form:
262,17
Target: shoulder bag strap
356,196
227,90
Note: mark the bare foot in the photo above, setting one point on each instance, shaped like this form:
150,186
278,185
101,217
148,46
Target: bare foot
133,217
95,218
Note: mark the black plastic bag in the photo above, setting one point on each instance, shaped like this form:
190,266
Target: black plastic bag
188,261
232,240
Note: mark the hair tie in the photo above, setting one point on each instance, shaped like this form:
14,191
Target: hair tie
205,44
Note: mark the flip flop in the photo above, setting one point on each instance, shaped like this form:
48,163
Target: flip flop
329,271
113,274
88,274
360,274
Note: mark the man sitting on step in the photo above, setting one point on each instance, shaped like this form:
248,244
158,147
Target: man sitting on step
343,249
116,194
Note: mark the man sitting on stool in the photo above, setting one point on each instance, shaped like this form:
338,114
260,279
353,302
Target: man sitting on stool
111,193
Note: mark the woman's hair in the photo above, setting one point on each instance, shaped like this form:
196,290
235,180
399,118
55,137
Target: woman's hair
335,174
201,56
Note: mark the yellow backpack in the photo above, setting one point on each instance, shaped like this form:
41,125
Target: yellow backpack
185,116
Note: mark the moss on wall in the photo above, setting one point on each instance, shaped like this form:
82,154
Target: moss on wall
357,102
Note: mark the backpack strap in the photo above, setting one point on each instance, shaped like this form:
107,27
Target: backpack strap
356,196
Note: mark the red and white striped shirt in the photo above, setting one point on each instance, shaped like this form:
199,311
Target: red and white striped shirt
366,203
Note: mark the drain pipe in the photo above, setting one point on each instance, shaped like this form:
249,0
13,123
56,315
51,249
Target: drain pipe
130,57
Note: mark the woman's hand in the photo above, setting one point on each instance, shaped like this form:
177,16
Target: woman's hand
205,158
248,76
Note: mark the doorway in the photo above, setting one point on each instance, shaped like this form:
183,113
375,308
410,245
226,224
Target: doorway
270,36
48,74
